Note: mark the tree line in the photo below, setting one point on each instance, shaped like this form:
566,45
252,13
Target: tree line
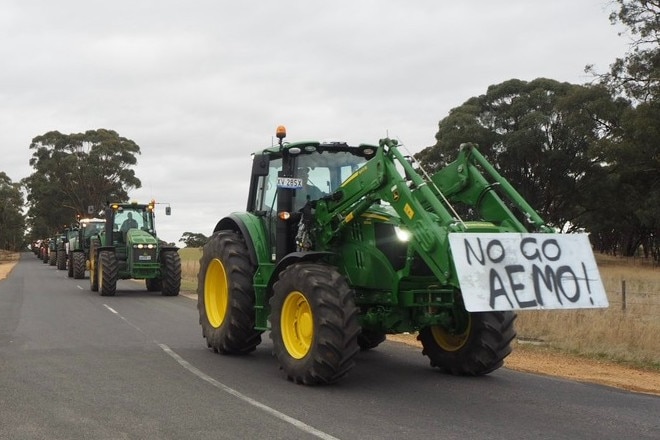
587,157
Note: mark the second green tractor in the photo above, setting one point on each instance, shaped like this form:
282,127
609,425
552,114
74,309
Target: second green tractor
128,248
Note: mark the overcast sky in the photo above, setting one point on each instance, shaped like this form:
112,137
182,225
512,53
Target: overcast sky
201,84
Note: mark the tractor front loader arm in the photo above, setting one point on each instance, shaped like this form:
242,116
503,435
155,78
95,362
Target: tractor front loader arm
424,205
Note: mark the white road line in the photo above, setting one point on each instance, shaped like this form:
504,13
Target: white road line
79,287
111,309
205,377
122,318
295,422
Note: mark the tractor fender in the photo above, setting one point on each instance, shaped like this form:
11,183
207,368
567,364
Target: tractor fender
248,226
294,257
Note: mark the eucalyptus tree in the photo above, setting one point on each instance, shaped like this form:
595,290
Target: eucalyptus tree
12,221
636,74
78,173
540,135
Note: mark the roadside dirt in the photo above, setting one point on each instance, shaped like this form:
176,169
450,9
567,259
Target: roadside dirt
524,358
538,360
7,262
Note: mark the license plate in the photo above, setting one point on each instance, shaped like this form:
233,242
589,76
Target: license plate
289,182
144,257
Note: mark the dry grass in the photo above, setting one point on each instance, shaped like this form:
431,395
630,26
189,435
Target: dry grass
629,336
189,268
7,256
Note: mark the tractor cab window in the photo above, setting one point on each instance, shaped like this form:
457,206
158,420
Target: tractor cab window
267,188
93,229
133,218
323,173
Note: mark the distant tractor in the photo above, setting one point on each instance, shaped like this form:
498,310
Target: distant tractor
78,245
52,250
60,245
128,247
43,250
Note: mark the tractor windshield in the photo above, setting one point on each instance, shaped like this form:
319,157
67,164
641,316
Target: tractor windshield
133,218
322,172
93,228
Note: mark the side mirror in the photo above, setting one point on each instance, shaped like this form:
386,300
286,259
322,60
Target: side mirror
260,165
168,210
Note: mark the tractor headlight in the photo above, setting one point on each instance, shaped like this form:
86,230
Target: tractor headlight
402,234
139,246
150,246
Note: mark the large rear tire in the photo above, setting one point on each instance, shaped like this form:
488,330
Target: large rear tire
170,268
478,349
79,263
314,323
61,259
94,264
69,265
225,295
108,272
52,258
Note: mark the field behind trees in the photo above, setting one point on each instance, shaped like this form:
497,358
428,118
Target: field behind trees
627,335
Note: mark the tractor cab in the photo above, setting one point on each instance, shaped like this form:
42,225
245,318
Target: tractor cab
292,176
129,227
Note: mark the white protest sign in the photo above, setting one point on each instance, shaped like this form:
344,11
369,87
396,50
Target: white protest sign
514,271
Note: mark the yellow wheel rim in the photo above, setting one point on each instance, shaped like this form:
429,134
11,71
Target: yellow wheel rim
451,341
297,325
216,293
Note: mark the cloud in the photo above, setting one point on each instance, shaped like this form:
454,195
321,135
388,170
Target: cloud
201,85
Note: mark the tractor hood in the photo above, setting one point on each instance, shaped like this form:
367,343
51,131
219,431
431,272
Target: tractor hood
138,236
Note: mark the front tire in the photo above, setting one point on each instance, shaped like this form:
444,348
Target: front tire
108,272
478,349
314,324
171,273
94,265
225,295
61,259
69,265
79,263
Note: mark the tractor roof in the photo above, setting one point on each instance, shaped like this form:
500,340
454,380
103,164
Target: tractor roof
365,150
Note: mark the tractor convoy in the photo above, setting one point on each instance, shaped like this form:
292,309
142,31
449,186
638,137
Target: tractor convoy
341,245
121,245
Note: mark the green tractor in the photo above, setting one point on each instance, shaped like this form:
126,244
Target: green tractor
43,250
78,245
61,252
54,243
341,245
128,247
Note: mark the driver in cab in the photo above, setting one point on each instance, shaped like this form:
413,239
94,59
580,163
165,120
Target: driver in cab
309,191
129,223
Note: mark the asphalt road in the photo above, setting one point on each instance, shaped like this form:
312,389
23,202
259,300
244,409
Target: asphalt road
75,365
